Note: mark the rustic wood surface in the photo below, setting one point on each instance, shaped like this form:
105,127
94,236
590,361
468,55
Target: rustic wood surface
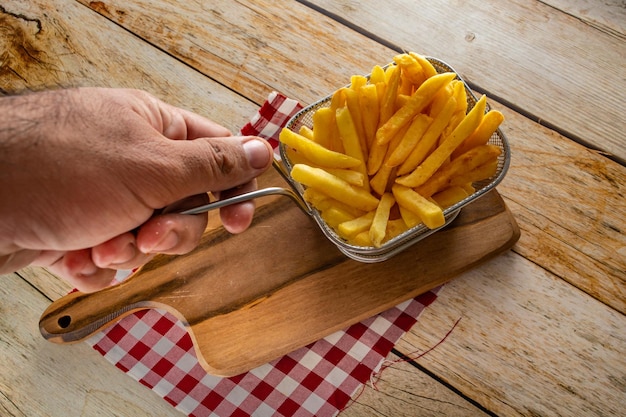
536,353
541,328
39,378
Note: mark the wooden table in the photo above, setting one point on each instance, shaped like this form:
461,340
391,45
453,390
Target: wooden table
542,329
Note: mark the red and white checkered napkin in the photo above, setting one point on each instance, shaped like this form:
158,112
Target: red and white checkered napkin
154,348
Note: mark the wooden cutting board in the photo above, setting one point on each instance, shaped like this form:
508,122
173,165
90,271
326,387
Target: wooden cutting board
250,298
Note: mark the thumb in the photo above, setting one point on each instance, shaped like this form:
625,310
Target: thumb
215,164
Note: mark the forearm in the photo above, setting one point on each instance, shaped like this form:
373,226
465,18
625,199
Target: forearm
23,118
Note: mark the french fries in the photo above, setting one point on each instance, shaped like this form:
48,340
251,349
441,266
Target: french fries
334,187
430,213
436,159
418,101
393,150
357,225
317,153
378,229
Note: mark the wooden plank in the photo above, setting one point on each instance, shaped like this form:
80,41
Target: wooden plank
45,47
49,284
527,343
40,379
569,203
401,391
252,47
610,17
551,65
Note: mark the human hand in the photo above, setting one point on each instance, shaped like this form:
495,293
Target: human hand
81,169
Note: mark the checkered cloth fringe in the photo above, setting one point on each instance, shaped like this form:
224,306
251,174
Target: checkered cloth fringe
154,348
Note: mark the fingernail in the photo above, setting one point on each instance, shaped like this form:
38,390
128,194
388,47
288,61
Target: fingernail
257,153
167,242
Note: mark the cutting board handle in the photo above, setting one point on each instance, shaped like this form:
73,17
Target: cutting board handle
79,315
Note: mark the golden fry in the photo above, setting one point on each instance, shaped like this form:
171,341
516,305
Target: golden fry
317,153
440,100
383,179
490,123
409,140
395,228
296,157
351,228
395,141
370,110
432,163
482,172
388,100
352,103
429,139
362,239
460,94
468,187
427,67
323,202
418,101
401,100
324,129
357,81
378,228
349,134
450,196
430,213
410,219
316,198
334,187
465,163
405,89
377,75
376,157
351,140
350,176
307,132
411,68
337,101
380,153
334,216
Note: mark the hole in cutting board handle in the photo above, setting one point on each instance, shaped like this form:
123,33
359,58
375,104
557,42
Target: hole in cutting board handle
64,322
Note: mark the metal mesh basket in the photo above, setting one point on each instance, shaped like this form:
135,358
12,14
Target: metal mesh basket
419,232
